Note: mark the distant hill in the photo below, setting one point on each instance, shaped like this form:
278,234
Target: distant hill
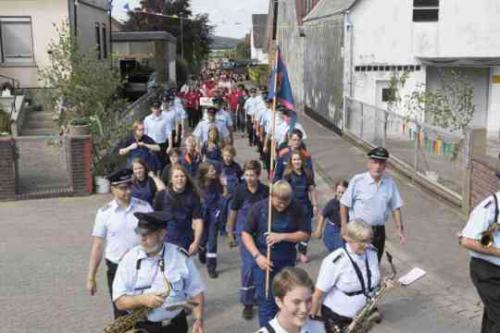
224,42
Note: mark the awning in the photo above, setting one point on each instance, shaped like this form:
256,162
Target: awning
461,61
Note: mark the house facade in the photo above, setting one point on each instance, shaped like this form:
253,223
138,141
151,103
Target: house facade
27,27
352,48
426,37
257,36
285,29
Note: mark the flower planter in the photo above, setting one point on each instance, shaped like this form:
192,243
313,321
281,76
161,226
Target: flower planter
74,130
102,185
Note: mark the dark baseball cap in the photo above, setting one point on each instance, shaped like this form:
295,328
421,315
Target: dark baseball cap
379,153
149,222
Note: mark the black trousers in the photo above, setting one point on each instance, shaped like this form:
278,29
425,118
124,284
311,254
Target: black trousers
332,320
110,273
250,131
162,154
191,116
379,240
486,279
177,325
240,119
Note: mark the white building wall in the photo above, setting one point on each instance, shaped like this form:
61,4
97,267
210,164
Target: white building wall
382,33
493,124
292,47
44,14
464,29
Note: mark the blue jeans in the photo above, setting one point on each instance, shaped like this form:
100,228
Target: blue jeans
267,306
209,239
332,237
247,290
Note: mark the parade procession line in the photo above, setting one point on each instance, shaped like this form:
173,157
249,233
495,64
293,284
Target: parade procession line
47,243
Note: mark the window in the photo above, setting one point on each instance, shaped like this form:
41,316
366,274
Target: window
104,42
16,40
425,10
98,40
387,94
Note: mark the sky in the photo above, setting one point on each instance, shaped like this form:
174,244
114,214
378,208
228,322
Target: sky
232,18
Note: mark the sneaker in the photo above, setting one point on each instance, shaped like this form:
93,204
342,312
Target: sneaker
212,273
376,316
248,313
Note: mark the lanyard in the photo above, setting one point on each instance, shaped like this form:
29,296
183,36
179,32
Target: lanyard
364,290
161,266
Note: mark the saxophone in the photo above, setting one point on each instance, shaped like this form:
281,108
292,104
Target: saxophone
364,320
126,324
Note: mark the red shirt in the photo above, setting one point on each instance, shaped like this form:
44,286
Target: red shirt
234,99
209,87
192,99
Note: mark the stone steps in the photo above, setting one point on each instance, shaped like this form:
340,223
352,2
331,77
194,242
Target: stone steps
39,123
39,131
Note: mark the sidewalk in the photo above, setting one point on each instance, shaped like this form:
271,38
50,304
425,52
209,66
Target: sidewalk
430,224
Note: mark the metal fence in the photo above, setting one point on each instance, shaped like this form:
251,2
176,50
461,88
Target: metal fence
431,152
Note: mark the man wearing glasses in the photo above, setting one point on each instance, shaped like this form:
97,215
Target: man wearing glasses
114,230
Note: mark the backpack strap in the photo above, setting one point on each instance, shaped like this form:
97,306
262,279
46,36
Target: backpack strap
497,212
269,328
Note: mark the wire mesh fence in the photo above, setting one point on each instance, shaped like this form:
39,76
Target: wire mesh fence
431,152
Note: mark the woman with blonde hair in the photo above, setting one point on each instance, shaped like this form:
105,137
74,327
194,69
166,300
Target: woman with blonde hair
139,145
211,151
347,278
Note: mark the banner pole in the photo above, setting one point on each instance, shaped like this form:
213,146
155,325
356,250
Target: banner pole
271,167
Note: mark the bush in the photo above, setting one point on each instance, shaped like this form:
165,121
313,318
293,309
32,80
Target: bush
4,122
259,74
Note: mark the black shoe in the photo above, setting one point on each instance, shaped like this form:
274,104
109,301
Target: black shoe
248,312
212,273
202,257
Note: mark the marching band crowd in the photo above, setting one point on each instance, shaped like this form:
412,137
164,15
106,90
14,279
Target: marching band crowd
183,189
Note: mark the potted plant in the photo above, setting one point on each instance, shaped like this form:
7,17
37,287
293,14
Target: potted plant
79,126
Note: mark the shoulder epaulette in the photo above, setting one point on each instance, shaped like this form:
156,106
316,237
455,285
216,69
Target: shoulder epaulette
487,204
141,202
183,251
105,207
340,255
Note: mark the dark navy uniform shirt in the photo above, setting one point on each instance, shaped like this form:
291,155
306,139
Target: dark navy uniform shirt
291,220
243,194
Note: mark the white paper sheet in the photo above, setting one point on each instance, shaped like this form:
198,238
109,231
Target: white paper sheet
412,276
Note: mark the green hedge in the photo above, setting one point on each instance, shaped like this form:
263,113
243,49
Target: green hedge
4,122
259,74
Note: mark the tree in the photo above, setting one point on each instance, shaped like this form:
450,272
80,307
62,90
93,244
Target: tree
243,48
86,85
451,106
196,30
87,89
